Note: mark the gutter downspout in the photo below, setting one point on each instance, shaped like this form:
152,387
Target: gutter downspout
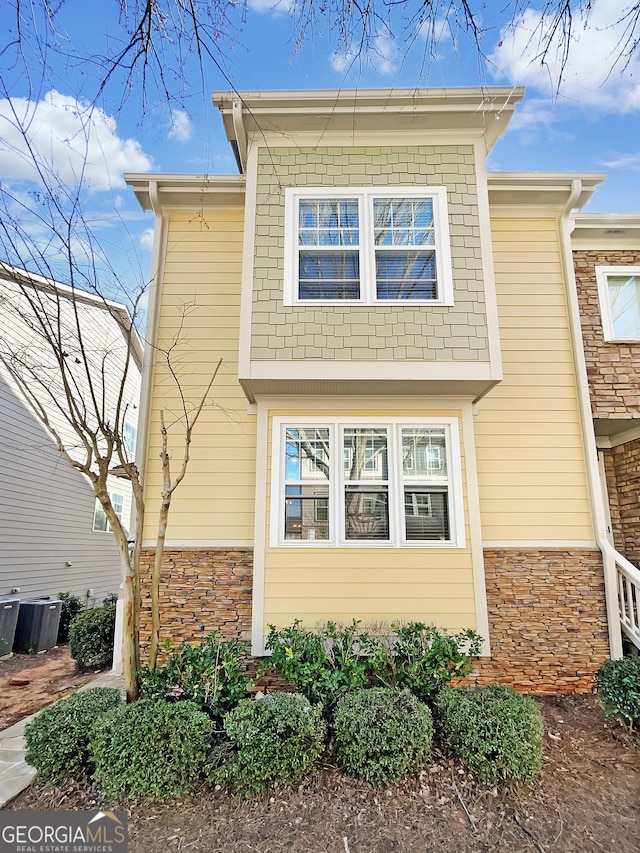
146,387
586,421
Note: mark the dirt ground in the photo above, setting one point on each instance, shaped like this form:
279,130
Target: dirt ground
29,682
586,801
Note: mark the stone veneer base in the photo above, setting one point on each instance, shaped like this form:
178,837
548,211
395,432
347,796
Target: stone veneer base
547,613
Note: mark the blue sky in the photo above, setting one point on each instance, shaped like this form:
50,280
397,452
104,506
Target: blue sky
590,124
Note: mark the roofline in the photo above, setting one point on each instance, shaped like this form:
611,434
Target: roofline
606,231
555,189
29,279
253,114
185,190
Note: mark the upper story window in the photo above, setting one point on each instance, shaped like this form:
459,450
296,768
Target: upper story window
100,521
130,433
367,246
367,482
619,293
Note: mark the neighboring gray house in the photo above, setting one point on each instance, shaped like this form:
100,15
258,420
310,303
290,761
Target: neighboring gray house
53,534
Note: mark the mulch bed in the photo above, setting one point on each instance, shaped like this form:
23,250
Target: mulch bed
587,799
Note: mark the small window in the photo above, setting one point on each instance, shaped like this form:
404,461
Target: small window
367,246
395,483
129,436
100,522
619,294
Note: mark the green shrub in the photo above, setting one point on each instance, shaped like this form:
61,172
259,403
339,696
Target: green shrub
71,606
58,738
424,659
278,739
323,664
91,637
497,731
618,686
327,663
382,734
212,674
150,749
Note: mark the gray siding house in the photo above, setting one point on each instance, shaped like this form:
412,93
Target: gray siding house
53,536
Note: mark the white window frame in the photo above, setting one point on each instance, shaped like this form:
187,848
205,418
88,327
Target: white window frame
602,278
365,197
397,535
115,497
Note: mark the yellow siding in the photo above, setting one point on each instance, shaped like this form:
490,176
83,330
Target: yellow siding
201,292
530,456
433,585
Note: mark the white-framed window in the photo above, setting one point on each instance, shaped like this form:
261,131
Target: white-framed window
100,522
619,295
341,482
367,246
129,435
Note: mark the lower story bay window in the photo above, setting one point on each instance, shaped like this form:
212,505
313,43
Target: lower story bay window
370,482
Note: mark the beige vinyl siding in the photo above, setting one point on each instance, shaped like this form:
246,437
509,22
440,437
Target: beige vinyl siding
431,584
530,456
201,293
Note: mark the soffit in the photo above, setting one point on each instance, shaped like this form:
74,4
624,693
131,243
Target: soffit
526,191
606,231
163,192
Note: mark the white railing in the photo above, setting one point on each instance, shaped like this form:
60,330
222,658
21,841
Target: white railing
628,586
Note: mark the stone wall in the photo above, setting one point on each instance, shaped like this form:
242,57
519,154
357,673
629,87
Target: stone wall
622,464
547,620
613,368
546,611
201,591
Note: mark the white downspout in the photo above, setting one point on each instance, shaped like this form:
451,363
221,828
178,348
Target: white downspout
146,387
586,420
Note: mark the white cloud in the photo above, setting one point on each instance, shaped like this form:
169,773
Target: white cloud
627,161
381,54
277,7
181,127
68,139
146,239
587,78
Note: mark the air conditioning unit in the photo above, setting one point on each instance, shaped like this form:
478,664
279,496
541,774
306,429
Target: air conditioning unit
8,620
37,628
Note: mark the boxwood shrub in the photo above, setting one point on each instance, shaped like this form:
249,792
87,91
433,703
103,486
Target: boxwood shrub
277,739
497,731
382,734
618,686
150,749
91,637
58,738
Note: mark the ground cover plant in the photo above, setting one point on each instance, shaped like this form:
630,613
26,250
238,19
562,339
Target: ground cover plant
58,738
497,731
382,734
618,686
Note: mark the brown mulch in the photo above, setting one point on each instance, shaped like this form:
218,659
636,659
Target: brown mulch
30,682
586,801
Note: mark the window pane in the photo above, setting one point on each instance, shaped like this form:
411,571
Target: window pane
99,518
406,274
403,222
366,513
426,513
328,222
329,275
117,501
365,454
624,299
307,470
423,454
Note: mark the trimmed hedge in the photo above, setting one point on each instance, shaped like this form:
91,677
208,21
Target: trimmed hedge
497,731
150,749
58,738
618,686
382,734
277,739
91,637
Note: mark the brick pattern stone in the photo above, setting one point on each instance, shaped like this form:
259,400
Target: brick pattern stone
613,368
201,591
369,333
547,620
623,484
